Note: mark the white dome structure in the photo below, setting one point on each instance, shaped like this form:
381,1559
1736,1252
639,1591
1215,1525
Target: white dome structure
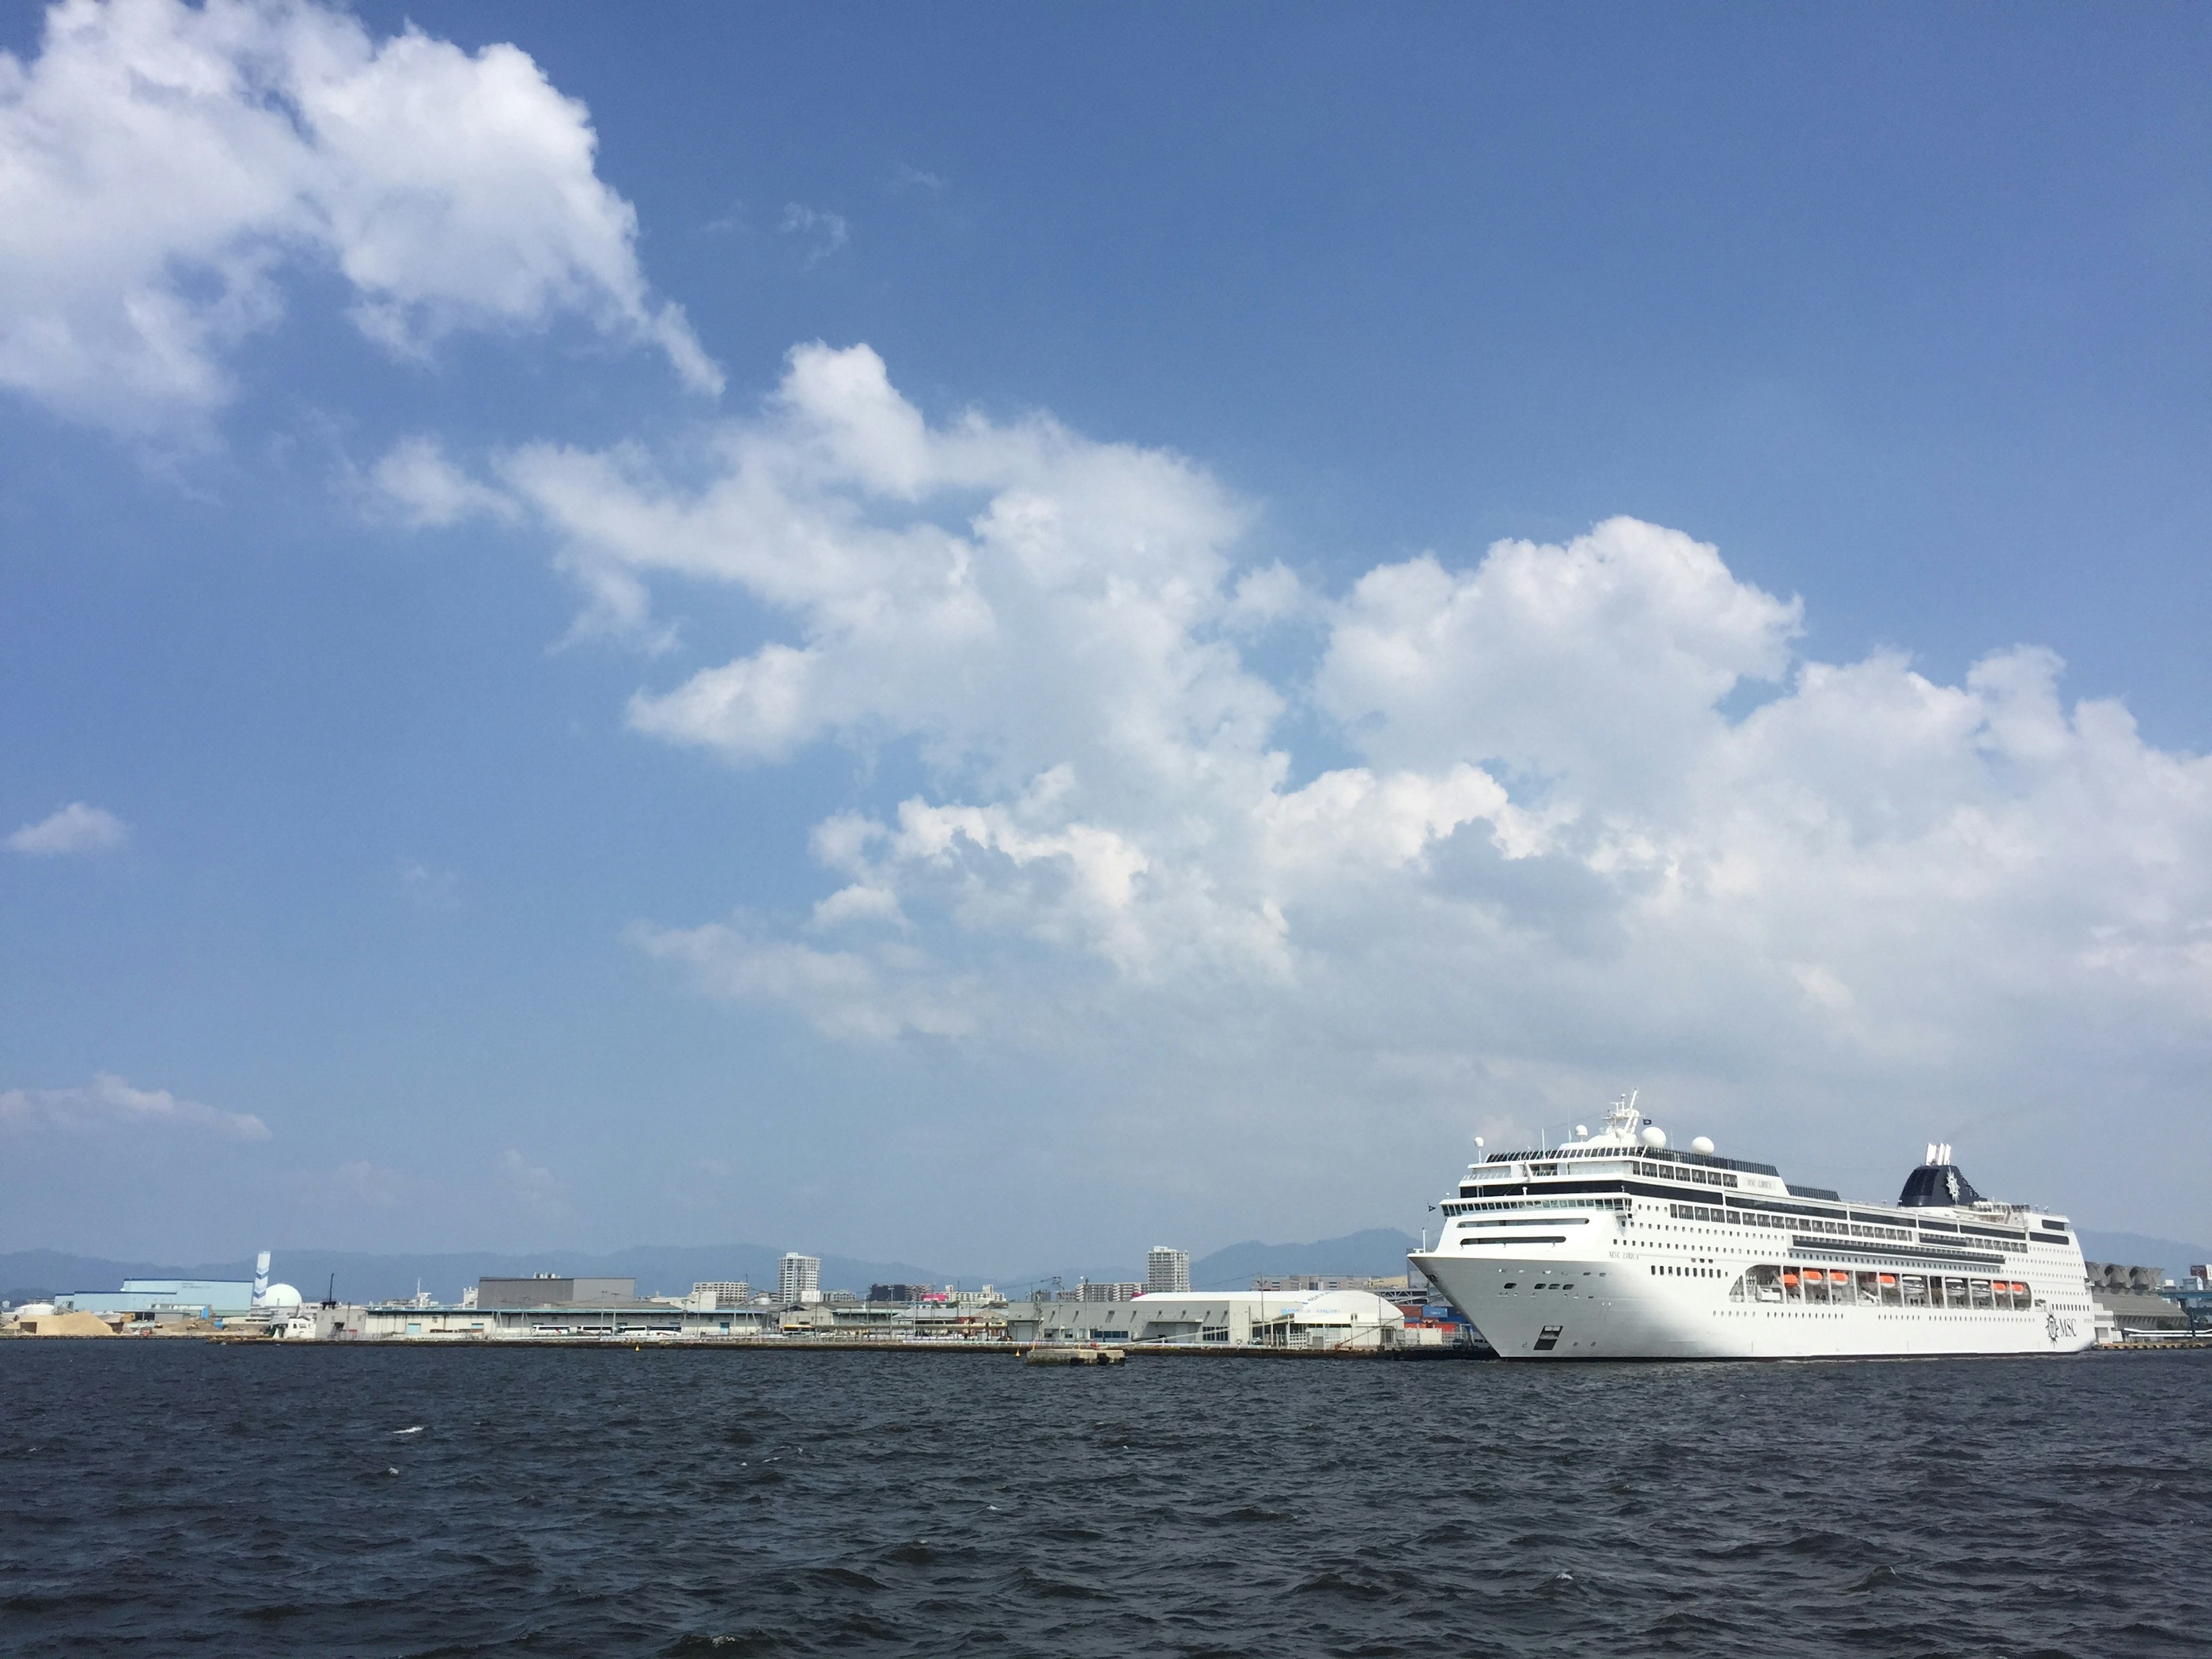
1654,1137
1703,1144
281,1296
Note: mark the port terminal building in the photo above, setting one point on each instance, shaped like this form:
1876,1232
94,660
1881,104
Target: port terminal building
630,1317
1349,1320
550,1306
206,1298
1332,1319
2134,1303
551,1290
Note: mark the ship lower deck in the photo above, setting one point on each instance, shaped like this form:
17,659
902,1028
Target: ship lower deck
1547,1304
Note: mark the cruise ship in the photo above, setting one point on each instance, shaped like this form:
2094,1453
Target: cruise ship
1617,1246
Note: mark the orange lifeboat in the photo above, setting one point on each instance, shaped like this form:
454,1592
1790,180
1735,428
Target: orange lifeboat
1838,1276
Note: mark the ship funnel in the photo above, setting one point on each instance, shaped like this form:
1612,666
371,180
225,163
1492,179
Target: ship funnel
260,1278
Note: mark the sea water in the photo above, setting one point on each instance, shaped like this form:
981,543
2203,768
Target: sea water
169,1497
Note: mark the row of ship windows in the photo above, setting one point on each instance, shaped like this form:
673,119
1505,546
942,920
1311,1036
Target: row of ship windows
1832,1287
1668,1172
1782,1223
1801,1222
1707,1213
1789,1224
1648,1171
1543,1204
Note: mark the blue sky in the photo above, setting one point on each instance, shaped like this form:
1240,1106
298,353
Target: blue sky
471,704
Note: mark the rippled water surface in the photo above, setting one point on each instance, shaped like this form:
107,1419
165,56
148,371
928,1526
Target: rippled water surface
169,1496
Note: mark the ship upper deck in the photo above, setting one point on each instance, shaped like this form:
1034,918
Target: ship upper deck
1629,1157
1605,1146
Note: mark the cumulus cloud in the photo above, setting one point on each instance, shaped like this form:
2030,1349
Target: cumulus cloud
365,1182
882,989
819,231
108,1101
76,828
161,164
531,1184
905,176
1600,663
431,888
1555,862
426,491
358,1185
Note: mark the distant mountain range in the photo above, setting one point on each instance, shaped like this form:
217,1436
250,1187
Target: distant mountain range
26,1275
2135,1250
659,1269
1375,1252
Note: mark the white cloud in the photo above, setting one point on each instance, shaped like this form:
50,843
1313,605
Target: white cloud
432,889
161,164
905,176
108,1101
858,902
532,1184
881,990
426,491
76,828
1559,865
365,1182
1262,599
1600,663
357,1185
821,231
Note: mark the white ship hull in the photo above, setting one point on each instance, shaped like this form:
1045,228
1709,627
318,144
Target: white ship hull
1598,1309
1615,1247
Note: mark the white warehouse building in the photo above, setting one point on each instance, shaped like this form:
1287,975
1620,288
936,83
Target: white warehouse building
1323,1319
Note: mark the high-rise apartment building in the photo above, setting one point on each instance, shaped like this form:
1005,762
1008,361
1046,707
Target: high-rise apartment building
1166,1270
724,1292
799,1280
1097,1290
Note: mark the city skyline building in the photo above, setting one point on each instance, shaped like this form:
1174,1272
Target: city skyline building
799,1280
1167,1271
